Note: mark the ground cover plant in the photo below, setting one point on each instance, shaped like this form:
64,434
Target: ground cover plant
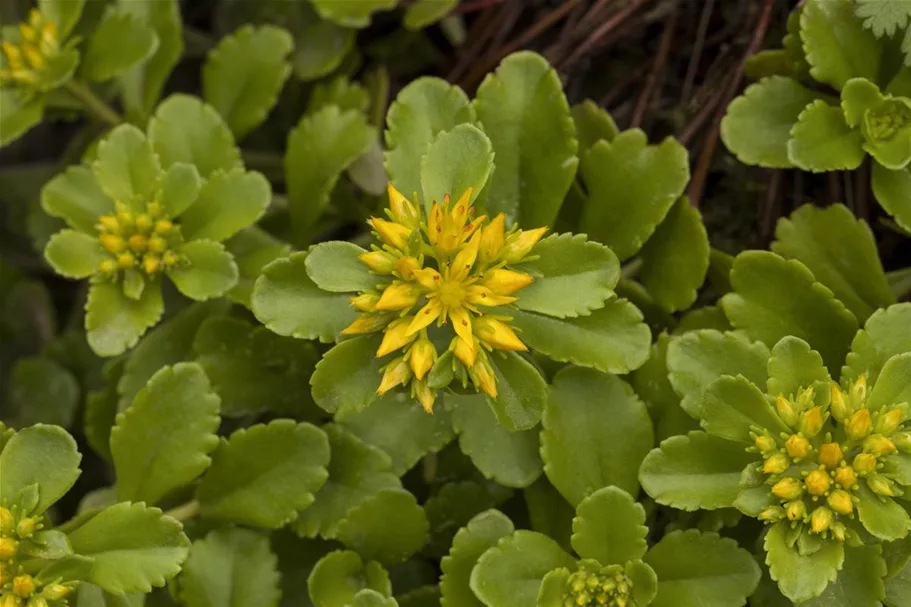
472,304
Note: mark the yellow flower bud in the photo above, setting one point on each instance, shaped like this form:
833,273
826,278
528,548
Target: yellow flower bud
765,443
157,244
126,260
830,455
401,209
171,259
55,592
483,375
155,209
880,485
108,223
821,519
465,351
839,531
840,501
888,422
520,244
396,374
406,266
818,482
380,262
5,573
493,238
805,399
112,243
859,424
13,54
144,223
124,216
10,600
859,390
138,243
787,489
365,302
497,334
776,464
811,421
505,282
24,585
27,527
34,57
393,234
7,521
8,548
365,323
796,510
422,357
398,296
396,337
838,405
846,477
425,396
107,266
877,444
865,463
151,264
163,226
797,446
772,514
786,411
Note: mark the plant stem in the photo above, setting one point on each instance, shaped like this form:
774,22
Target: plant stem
95,106
184,512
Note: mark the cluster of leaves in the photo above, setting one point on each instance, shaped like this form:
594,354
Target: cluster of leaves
595,440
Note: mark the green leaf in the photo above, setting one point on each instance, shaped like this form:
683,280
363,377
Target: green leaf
254,370
340,575
821,240
837,46
356,471
695,471
320,148
882,516
253,249
764,305
884,335
595,433
883,17
858,96
74,254
794,366
610,527
510,574
230,567
142,84
452,507
162,442
209,271
263,475
422,110
894,383
696,569
132,547
243,76
340,91
398,426
799,577
119,42
46,455
569,263
114,321
613,339
521,392
64,13
892,190
457,159
508,458
898,588
75,196
480,534
288,302
593,124
347,377
822,141
427,12
351,13
388,527
90,595
126,166
523,110
731,406
372,598
41,391
631,187
227,203
321,45
334,266
859,583
169,343
180,187
757,125
18,114
184,129
675,259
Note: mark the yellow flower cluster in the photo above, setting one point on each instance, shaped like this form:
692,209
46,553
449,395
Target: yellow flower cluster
814,478
17,587
445,266
25,61
138,240
589,589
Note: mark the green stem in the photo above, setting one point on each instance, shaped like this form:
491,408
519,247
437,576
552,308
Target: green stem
184,512
95,106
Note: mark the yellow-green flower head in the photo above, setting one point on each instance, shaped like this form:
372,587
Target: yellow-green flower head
447,268
607,588
137,242
24,62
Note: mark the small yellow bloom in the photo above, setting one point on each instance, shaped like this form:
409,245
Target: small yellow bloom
126,260
796,510
786,410
772,514
162,226
837,405
483,375
447,228
465,351
151,264
108,223
396,374
859,389
24,585
520,244
380,262
846,477
366,323
840,501
877,444
398,296
396,336
480,295
830,455
788,488
10,600
8,548
365,302
776,464
144,223
811,421
7,521
865,463
107,266
406,266
112,243
818,482
425,395
422,357
880,485
497,334
506,282
55,592
839,531
797,446
157,244
27,527
493,238
821,519
402,209
766,444
171,259
138,243
859,424
888,422
393,234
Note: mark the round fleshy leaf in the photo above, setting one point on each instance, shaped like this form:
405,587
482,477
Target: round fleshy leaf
351,14
595,433
339,576
610,527
696,569
457,159
74,254
41,391
263,475
553,587
893,386
822,141
163,440
858,96
114,321
644,582
227,203
427,12
898,588
510,574
288,302
320,45
801,578
239,555
470,542
334,266
523,109
521,392
695,471
883,336
882,516
731,406
46,455
593,123
859,583
452,507
347,377
209,271
836,44
179,188
75,197
893,192
794,366
253,249
388,527
126,166
18,115
119,41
